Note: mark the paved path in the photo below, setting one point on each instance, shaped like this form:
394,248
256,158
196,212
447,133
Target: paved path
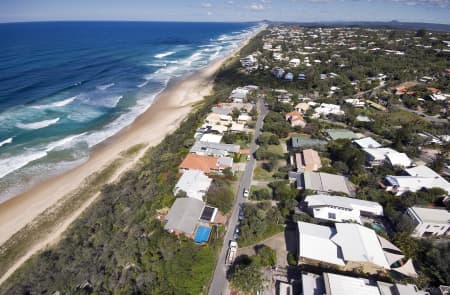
219,283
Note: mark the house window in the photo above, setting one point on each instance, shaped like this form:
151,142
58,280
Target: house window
332,215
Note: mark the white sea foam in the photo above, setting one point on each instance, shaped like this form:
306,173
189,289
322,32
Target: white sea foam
37,125
6,141
164,54
156,64
140,85
11,164
106,86
56,104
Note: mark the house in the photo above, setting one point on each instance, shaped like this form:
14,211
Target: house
295,62
239,95
244,119
357,103
214,149
218,119
348,245
367,142
278,72
209,137
323,183
184,216
300,142
334,284
194,183
235,127
327,109
307,160
335,134
341,209
205,163
417,178
295,119
302,107
377,156
289,76
429,221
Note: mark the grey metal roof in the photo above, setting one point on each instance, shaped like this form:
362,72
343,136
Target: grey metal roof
212,148
302,142
184,215
323,182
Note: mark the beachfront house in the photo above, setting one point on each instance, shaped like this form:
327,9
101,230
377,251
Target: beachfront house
194,183
214,149
429,221
184,216
341,209
206,164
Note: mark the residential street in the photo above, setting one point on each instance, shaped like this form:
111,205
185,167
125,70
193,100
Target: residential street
219,283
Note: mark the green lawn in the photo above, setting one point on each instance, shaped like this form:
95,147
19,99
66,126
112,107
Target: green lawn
261,174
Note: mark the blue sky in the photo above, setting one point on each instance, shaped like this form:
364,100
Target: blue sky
436,11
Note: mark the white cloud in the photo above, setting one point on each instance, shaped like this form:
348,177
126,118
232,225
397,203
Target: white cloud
206,5
255,6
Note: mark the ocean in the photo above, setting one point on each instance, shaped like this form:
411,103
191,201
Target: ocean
67,86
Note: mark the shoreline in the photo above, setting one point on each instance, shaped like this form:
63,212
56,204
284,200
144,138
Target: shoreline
166,113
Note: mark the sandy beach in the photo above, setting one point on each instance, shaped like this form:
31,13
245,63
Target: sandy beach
163,117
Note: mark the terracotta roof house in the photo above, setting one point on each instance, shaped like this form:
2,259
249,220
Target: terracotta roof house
308,160
295,119
205,163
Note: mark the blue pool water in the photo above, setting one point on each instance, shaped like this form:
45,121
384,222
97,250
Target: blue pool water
67,86
202,234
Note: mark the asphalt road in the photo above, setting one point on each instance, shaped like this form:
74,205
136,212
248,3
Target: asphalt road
430,119
219,283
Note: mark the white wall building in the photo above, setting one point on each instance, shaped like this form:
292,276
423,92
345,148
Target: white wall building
378,156
429,221
194,183
340,209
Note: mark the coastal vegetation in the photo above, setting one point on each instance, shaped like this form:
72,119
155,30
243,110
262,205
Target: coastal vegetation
117,245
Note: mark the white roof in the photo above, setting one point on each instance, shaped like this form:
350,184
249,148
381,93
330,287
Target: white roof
315,243
195,183
343,202
394,157
360,244
425,172
432,215
312,284
420,177
367,142
344,285
216,138
399,159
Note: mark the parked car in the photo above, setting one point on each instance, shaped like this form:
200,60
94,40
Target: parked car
241,214
245,193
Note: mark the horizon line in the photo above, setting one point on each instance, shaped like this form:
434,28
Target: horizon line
250,21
